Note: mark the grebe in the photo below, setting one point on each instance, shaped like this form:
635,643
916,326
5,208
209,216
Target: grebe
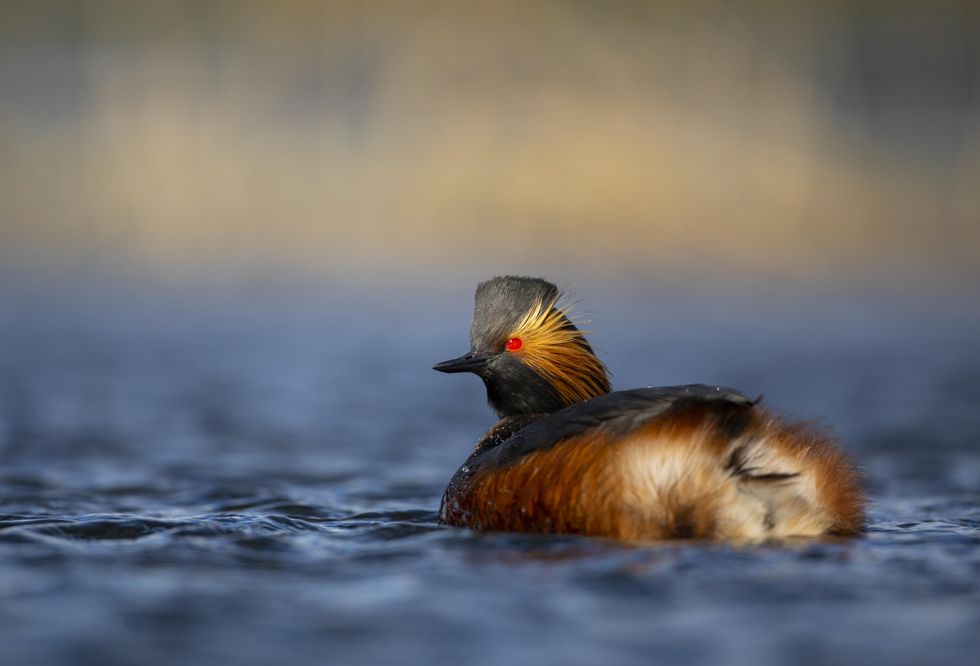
569,456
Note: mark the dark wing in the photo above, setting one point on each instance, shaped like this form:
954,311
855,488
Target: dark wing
615,414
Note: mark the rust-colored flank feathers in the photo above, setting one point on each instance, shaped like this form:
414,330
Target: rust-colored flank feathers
689,461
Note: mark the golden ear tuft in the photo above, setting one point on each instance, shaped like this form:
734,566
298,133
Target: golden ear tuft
554,348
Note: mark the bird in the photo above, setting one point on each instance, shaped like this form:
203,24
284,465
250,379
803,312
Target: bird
568,455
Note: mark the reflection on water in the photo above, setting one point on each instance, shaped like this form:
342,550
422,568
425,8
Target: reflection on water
190,482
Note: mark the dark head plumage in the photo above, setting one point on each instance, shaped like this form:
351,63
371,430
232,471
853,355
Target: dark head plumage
530,355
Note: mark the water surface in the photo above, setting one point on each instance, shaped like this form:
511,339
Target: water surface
254,480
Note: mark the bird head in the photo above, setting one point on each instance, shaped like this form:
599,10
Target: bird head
530,355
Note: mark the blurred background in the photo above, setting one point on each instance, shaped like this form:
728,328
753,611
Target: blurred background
235,235
345,141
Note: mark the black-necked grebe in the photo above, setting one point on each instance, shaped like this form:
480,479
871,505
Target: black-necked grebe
569,456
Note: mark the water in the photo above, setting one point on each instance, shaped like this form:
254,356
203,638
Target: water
254,480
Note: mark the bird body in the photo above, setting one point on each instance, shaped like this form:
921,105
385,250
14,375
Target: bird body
569,456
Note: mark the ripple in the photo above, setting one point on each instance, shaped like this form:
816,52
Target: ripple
298,523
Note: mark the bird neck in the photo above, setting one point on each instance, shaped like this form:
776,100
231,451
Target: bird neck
529,386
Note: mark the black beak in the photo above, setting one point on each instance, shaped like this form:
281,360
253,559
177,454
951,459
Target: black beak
471,362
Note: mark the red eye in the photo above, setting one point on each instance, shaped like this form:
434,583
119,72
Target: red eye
514,344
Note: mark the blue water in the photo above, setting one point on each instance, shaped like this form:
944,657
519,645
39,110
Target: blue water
253,478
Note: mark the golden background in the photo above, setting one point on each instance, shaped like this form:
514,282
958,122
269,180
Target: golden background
365,141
